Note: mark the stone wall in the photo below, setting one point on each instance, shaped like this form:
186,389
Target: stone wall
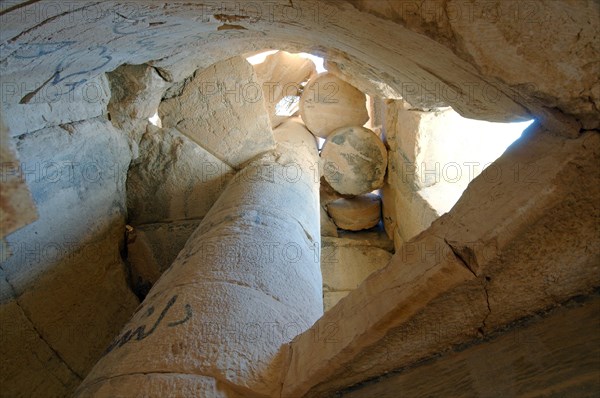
66,287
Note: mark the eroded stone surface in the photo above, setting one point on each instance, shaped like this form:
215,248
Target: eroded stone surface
345,264
281,75
16,205
250,264
354,214
329,103
460,267
66,273
136,91
173,178
52,106
222,109
152,248
328,227
354,160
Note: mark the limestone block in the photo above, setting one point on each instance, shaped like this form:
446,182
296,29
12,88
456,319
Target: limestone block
173,178
346,263
293,130
222,109
359,159
136,92
76,174
328,228
330,299
364,82
247,281
281,75
52,106
29,366
16,205
152,248
388,209
360,212
558,351
329,103
375,237
159,385
499,235
66,269
326,193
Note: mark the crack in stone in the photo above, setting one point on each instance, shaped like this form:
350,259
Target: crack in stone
286,367
461,257
489,309
163,74
54,351
465,256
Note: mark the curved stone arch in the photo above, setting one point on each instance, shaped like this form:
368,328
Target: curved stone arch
410,65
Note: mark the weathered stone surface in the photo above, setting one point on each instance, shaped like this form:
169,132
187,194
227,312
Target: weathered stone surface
329,103
360,212
375,237
281,75
543,63
16,206
330,299
290,130
24,353
355,160
345,263
328,227
152,248
52,106
136,91
556,355
389,214
326,193
475,254
159,385
222,109
173,178
232,273
386,298
65,272
365,83
455,61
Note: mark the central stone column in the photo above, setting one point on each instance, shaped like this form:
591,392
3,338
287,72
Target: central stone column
247,281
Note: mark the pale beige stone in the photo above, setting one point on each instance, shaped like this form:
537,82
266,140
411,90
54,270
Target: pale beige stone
246,282
222,109
281,75
328,227
23,354
329,103
542,64
330,299
389,214
66,271
458,269
346,264
136,93
356,160
360,212
172,385
152,248
375,237
173,178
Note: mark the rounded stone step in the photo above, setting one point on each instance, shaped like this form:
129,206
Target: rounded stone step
328,103
355,160
355,214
